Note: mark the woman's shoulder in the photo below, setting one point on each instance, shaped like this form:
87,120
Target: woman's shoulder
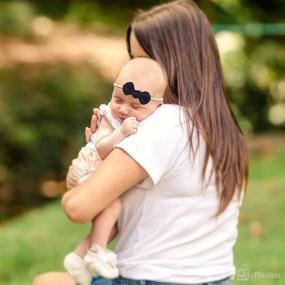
166,124
169,109
166,115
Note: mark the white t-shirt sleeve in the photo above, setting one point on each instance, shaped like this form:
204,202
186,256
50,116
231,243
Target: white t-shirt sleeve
154,145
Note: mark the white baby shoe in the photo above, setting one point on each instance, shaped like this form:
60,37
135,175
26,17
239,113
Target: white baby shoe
76,268
101,261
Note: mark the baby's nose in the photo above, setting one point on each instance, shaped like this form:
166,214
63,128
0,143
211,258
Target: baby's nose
124,109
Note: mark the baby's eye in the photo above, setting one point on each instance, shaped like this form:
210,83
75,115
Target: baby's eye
136,106
117,100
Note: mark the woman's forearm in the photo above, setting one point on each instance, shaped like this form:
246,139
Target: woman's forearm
115,175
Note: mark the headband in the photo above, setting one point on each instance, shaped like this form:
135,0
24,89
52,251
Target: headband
143,96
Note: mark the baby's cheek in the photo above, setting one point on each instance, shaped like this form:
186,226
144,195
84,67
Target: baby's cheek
143,115
138,116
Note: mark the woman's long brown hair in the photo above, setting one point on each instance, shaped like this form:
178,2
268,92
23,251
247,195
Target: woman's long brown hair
178,36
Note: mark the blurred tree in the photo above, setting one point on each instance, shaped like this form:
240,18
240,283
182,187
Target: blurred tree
15,17
42,124
41,108
265,11
255,69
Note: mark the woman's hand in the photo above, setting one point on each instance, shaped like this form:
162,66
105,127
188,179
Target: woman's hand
89,131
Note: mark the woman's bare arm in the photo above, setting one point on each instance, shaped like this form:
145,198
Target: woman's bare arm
54,278
115,175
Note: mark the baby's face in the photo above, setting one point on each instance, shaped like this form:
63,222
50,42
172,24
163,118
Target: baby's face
123,106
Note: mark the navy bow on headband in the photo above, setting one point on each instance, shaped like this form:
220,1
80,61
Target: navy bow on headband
143,96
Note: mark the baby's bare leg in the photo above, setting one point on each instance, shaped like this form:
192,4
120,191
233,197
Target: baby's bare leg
86,243
113,233
103,225
83,246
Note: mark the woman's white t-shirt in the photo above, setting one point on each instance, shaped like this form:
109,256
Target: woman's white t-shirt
166,228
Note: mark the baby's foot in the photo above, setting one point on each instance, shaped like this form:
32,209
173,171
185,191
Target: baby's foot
112,255
76,268
101,261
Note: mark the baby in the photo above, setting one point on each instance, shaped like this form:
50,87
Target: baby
138,92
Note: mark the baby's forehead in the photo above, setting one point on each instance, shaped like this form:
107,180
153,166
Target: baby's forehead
143,72
139,83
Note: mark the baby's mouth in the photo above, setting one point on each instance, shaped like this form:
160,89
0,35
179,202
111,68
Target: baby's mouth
121,119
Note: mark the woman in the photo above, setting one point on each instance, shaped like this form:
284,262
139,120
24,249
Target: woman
181,177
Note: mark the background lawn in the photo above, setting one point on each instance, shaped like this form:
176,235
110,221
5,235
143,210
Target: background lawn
37,241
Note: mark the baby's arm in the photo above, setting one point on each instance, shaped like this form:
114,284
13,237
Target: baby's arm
106,139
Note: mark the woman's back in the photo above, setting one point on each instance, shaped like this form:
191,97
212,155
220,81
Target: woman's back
167,227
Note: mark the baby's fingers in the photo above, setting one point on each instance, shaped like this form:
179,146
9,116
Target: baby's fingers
132,119
135,123
88,134
134,126
93,123
96,111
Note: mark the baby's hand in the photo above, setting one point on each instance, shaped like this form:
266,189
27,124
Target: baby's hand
129,126
89,131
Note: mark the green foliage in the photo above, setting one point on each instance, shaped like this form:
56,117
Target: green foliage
255,79
16,17
44,111
105,17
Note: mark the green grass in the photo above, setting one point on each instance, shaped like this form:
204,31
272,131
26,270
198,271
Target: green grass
260,246
37,241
